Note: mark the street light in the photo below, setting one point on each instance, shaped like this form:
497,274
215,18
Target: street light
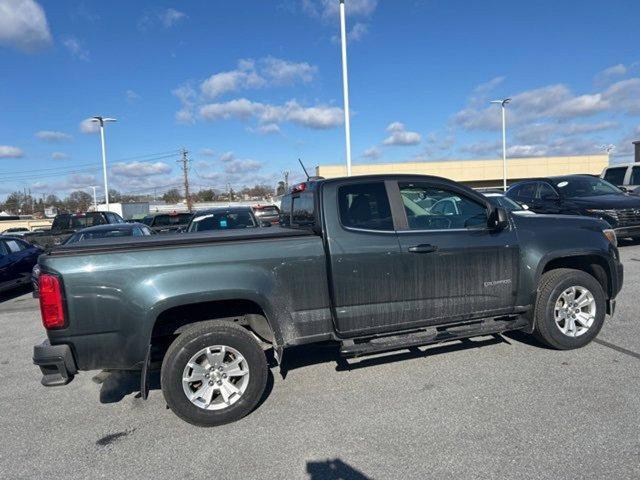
102,121
502,103
95,202
345,86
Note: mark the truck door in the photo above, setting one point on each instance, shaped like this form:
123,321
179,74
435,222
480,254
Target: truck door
365,265
454,266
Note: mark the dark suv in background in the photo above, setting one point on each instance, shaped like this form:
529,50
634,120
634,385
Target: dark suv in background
581,195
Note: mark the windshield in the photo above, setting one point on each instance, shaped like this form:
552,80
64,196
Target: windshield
575,187
504,202
222,221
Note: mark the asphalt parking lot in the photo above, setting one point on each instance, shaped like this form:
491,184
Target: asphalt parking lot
494,407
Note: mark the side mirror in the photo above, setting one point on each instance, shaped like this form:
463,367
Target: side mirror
498,219
624,189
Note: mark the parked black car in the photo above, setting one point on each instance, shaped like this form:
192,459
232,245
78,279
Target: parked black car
581,195
167,222
92,233
225,218
17,258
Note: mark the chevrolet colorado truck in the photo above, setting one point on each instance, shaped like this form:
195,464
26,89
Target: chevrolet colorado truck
365,262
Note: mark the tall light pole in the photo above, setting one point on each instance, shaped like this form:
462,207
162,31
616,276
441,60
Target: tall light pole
102,121
95,202
345,86
503,103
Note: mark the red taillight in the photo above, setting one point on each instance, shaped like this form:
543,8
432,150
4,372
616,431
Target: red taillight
299,187
51,306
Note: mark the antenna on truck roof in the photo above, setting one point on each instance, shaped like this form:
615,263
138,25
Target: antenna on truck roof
305,170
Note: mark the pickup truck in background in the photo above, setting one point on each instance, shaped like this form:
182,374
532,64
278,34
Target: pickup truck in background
364,262
66,224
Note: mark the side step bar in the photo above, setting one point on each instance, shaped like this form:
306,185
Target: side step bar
416,338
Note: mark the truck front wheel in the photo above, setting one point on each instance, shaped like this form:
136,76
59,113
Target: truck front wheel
213,373
570,308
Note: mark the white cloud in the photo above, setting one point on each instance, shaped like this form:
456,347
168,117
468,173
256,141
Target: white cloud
7,151
39,186
140,169
131,95
241,166
53,136
207,152
481,148
76,49
59,156
170,17
167,18
23,25
372,153
233,80
284,72
400,136
227,157
608,73
357,33
268,128
318,117
249,74
89,126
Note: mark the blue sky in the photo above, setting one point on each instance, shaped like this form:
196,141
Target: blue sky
249,86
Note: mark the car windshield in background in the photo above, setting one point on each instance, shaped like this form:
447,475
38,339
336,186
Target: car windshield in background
266,211
575,187
222,221
504,202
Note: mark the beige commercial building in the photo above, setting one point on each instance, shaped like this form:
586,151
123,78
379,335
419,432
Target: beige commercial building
480,173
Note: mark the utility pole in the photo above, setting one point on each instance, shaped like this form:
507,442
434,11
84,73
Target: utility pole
286,181
185,170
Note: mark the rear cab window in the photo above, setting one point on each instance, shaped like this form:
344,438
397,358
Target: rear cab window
615,175
365,206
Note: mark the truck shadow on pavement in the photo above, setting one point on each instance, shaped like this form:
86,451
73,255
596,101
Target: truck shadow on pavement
116,385
334,469
303,356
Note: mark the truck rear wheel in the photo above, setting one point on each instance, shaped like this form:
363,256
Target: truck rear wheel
213,373
570,309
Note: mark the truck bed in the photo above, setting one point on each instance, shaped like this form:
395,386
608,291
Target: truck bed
103,245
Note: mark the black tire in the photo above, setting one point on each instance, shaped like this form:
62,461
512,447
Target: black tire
192,341
552,284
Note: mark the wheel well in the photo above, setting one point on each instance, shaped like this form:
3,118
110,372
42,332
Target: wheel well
595,266
171,322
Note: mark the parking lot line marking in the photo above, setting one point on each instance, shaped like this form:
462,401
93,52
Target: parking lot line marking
617,348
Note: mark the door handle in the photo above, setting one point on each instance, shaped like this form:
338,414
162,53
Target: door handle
424,248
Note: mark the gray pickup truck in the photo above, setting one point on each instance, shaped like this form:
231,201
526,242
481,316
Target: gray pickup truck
365,262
